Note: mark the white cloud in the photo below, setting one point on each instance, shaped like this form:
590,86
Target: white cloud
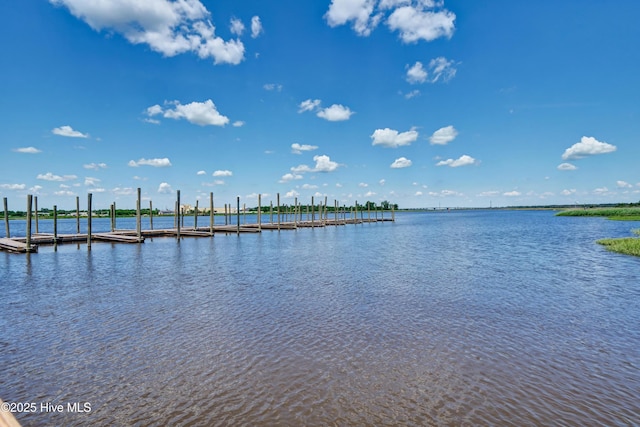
415,24
512,193
289,177
601,191
256,27
400,163
418,193
238,123
298,148
308,105
91,182
392,138
27,150
443,135
309,187
623,184
199,113
69,132
272,86
588,146
445,193
201,173
13,186
441,68
324,164
158,163
369,194
363,185
412,94
222,173
236,27
382,182
291,194
567,167
464,160
416,73
63,193
568,192
154,110
126,191
165,188
95,166
335,113
489,193
359,11
167,27
51,177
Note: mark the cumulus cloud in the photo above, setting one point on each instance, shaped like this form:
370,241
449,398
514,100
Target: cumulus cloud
356,11
309,187
323,164
400,163
167,27
256,27
445,193
512,193
623,184
463,160
419,20
416,73
95,166
567,167
308,105
588,146
199,113
568,192
291,194
201,173
91,182
392,138
223,173
272,86
158,163
51,177
236,27
13,186
27,150
443,136
440,69
68,131
299,148
238,124
289,177
335,113
164,188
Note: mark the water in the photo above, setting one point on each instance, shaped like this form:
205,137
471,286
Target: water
462,318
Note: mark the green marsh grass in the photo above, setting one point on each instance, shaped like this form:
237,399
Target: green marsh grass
625,245
620,214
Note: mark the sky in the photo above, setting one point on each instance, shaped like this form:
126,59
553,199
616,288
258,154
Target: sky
423,103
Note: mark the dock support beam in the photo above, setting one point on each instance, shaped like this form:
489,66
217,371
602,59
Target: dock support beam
6,218
89,196
29,202
238,215
178,216
138,217
211,215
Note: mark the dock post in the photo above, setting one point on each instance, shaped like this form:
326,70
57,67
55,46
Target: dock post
369,212
29,202
393,214
178,216
355,214
35,200
211,217
312,212
271,212
77,214
295,212
335,211
278,210
238,215
115,214
55,227
138,217
325,211
244,213
111,217
225,215
195,217
150,214
6,218
259,211
89,196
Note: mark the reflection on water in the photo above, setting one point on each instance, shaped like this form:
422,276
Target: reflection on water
465,318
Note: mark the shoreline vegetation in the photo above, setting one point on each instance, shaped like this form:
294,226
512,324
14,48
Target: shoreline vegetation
623,245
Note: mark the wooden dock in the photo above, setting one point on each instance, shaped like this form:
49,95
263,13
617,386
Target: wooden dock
12,245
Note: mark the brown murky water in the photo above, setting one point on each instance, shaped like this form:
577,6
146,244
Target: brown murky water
440,319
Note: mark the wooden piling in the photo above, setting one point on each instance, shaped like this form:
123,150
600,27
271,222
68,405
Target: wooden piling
238,215
150,215
77,214
178,216
138,216
393,214
278,211
211,213
35,200
6,218
28,241
195,217
115,215
259,211
271,212
89,196
55,227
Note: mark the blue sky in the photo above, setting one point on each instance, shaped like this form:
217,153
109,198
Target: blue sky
422,103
